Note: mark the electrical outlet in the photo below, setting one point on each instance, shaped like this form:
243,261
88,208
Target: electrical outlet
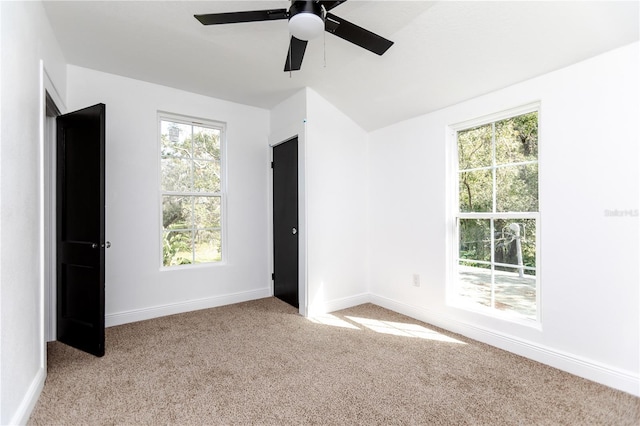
416,280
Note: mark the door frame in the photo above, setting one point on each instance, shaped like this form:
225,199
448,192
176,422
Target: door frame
48,206
277,138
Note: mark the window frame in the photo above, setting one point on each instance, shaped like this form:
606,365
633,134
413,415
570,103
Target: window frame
222,193
454,215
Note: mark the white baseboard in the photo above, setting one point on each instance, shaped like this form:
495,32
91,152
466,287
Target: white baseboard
30,399
119,318
338,304
609,376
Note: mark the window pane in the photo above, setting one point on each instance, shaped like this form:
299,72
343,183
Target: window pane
177,248
191,164
175,139
176,212
207,212
497,263
474,282
517,139
176,174
476,194
474,147
514,292
206,176
207,246
206,143
507,234
475,239
517,188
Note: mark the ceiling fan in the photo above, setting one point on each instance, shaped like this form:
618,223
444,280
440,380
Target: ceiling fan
307,19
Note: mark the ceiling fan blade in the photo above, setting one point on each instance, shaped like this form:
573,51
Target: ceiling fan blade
295,54
356,35
248,16
328,5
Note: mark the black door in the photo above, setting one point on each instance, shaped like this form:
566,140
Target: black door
80,218
285,221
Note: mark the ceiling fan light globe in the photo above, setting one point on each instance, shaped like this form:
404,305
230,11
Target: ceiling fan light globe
306,26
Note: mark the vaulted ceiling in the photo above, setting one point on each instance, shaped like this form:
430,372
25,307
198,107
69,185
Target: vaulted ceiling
444,52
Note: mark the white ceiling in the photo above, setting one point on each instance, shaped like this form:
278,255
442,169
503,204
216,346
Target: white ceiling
444,52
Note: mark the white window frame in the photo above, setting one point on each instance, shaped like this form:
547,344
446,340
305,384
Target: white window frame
203,122
454,216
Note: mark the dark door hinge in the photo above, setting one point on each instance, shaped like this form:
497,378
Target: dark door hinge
273,276
272,164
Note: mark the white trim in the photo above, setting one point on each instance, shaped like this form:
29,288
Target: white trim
48,154
339,304
498,166
42,219
125,317
28,403
53,92
625,381
490,118
499,215
511,317
488,263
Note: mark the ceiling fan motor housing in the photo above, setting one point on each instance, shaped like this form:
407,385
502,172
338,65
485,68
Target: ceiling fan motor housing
305,19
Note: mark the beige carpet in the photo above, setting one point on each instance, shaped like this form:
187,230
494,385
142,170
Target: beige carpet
260,363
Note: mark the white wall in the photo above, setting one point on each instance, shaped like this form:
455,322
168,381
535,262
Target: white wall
589,141
288,120
136,288
26,40
336,174
333,203
288,117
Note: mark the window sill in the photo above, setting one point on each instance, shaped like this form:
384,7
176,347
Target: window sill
508,316
191,266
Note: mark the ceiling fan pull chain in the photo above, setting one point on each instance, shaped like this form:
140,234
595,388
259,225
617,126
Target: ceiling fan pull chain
324,35
324,47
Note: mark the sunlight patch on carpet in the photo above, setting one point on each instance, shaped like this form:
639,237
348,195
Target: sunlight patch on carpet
328,319
403,329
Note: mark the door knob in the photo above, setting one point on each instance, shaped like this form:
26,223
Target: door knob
107,244
94,246
294,231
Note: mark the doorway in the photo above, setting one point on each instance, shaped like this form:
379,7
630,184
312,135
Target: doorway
49,202
285,222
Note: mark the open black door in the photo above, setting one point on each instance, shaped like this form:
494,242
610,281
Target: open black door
80,217
285,221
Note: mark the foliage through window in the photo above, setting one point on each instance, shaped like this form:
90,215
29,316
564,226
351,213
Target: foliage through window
191,190
497,215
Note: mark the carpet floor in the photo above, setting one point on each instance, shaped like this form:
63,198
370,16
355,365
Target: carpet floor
261,363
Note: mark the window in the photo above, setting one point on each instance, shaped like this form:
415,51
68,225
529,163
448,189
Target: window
497,217
192,190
